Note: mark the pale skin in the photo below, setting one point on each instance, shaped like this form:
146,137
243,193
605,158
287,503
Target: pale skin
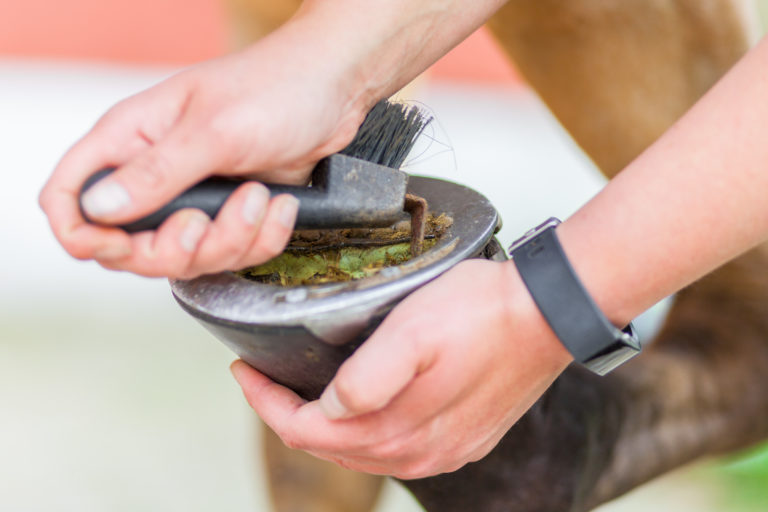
424,395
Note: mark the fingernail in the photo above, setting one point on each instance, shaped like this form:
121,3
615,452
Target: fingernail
331,405
193,232
112,252
288,211
255,203
105,198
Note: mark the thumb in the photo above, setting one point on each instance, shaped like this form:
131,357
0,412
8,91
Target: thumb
375,374
153,177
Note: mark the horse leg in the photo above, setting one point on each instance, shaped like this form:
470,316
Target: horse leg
617,74
697,391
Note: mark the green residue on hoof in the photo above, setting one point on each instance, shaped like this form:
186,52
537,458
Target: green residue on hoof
293,268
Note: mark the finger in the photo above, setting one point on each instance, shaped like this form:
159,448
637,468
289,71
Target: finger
275,231
377,372
107,144
236,227
418,465
155,176
298,174
302,425
167,252
272,402
354,464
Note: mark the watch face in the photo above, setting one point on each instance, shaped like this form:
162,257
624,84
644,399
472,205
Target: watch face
549,223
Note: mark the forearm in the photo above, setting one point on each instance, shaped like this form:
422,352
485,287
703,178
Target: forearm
376,47
695,199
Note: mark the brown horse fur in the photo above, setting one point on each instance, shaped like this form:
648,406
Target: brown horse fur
301,483
616,73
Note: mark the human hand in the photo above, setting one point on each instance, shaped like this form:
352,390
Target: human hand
274,109
264,112
447,373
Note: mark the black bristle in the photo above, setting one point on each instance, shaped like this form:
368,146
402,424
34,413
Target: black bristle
388,134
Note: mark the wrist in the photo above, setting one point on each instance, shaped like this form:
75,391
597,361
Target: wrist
382,46
313,65
520,308
567,306
600,271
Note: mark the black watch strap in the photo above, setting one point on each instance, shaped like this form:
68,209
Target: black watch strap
566,305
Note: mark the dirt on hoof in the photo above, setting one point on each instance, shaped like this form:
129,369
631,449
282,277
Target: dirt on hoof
338,255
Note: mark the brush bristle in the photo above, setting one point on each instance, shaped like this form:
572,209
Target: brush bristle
388,134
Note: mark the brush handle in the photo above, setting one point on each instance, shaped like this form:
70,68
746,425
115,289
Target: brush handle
329,203
209,196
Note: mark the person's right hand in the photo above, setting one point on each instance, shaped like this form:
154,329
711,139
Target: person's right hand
264,112
272,110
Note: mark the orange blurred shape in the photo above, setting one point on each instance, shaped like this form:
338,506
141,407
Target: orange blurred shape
478,59
175,32
138,31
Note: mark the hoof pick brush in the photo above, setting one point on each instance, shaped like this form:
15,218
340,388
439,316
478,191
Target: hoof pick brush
361,186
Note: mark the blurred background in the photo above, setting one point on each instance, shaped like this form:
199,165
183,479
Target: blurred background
111,398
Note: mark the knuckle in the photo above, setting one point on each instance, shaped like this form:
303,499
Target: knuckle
228,250
177,270
264,250
178,264
344,464
224,141
350,396
153,169
293,442
189,272
78,252
458,465
417,345
232,247
391,450
44,199
219,132
115,114
74,246
415,470
187,276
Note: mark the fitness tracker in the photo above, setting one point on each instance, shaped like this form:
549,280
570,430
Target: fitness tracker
566,305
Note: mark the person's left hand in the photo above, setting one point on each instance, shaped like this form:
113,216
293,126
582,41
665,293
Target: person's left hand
447,373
